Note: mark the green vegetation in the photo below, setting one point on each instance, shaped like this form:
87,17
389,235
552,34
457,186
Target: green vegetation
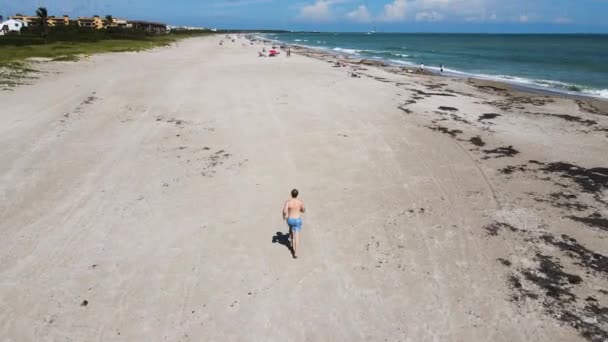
15,73
15,68
33,35
74,40
44,25
68,44
62,49
195,32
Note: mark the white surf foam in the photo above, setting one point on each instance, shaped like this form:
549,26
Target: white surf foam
401,62
351,51
539,84
603,93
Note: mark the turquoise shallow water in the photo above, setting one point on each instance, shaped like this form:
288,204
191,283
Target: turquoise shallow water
576,64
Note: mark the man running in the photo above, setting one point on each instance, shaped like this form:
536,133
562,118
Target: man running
291,212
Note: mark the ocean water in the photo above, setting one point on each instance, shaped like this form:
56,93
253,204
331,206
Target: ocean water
575,64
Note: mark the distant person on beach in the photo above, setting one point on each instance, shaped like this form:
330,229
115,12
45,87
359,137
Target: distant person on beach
422,67
288,52
441,68
291,212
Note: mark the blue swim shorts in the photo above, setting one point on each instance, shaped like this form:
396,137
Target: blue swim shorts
295,224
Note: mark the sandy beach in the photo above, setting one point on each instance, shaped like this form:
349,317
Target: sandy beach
141,198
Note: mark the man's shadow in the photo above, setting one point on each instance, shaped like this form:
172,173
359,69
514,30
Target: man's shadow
283,239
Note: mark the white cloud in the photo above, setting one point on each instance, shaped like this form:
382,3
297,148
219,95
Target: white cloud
236,3
360,14
394,11
319,11
429,16
482,18
433,10
527,18
563,20
433,3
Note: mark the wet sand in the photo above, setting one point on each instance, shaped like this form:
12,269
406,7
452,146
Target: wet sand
142,193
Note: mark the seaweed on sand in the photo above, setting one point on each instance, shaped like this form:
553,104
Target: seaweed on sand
488,116
589,179
502,152
477,141
594,220
445,130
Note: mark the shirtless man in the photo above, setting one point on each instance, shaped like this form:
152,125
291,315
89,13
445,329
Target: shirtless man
291,212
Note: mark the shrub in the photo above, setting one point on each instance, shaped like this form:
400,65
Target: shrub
20,40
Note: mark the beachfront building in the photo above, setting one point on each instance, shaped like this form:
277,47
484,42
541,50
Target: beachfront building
35,21
118,22
11,25
27,19
93,22
58,21
148,26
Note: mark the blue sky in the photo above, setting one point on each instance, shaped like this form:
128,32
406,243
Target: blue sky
486,16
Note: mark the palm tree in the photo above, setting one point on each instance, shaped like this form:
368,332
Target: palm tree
43,16
109,19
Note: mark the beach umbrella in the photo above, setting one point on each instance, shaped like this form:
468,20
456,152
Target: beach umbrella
273,51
